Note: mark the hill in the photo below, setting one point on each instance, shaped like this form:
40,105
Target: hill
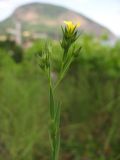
46,19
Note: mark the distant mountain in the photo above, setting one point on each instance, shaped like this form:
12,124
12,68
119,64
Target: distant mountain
46,19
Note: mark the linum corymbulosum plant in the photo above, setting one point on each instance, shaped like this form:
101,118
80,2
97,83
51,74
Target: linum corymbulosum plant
69,36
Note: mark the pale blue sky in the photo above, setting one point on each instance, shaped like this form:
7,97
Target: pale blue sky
105,12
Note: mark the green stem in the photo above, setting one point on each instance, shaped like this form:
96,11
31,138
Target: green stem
54,124
63,71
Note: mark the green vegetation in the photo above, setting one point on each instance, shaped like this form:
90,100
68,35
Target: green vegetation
90,95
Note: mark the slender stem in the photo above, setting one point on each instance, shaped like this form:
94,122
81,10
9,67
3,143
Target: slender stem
63,71
54,130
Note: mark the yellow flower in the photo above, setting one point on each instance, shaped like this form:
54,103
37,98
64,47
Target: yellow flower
71,26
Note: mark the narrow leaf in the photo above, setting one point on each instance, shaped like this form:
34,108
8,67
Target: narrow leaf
51,103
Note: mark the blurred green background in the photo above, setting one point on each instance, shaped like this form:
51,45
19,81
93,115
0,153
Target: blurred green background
90,95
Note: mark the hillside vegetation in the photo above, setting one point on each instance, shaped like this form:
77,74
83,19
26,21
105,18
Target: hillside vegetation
47,19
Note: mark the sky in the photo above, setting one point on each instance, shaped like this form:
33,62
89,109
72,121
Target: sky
105,12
